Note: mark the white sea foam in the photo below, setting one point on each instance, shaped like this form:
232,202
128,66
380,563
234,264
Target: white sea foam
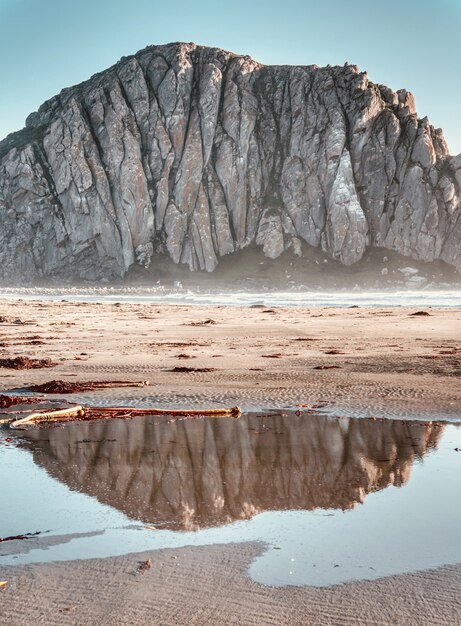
293,298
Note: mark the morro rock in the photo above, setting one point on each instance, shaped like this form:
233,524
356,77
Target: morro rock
197,153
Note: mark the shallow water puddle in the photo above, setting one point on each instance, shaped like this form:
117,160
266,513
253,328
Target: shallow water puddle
333,499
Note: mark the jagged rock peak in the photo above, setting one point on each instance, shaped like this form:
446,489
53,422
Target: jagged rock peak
198,153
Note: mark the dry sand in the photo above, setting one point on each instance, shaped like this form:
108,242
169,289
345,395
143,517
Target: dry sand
388,363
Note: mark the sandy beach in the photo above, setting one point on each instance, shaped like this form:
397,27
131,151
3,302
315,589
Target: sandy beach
210,586
361,362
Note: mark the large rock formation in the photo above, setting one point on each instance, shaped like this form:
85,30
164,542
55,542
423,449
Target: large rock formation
197,473
198,153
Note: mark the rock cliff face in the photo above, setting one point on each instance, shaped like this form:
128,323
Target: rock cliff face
192,474
198,153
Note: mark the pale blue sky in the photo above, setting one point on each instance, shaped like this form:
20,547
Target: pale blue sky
46,45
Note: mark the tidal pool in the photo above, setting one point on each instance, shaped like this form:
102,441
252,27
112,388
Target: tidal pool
333,499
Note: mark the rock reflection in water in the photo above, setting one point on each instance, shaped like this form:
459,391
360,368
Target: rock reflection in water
197,473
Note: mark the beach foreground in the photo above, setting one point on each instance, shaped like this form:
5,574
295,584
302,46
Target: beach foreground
368,362
209,586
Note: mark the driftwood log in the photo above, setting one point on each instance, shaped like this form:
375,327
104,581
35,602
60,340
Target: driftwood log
49,416
78,412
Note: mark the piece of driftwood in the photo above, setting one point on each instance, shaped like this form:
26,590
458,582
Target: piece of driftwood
234,411
78,412
49,416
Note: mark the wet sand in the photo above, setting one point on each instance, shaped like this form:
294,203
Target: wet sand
387,363
209,586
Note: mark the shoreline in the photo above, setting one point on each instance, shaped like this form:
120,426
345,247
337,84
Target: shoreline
448,297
